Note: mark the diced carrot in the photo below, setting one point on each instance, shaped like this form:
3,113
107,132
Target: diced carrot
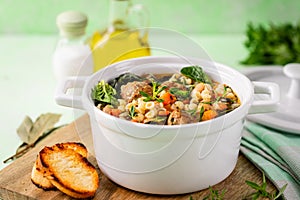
134,120
107,109
168,107
163,113
209,114
115,112
168,98
206,106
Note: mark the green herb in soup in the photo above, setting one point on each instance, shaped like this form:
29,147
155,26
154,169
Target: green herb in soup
196,73
190,96
104,93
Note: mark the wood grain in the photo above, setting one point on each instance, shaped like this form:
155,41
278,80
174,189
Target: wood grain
15,180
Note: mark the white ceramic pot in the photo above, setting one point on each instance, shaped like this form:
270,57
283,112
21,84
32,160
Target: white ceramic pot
168,159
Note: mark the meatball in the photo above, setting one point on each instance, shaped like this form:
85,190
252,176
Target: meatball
132,90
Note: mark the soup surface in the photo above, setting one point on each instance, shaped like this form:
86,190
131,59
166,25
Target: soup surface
189,96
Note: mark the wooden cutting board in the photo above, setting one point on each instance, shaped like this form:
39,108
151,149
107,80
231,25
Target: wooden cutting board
15,180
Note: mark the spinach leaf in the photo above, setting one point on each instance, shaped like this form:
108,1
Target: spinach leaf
104,93
123,79
196,73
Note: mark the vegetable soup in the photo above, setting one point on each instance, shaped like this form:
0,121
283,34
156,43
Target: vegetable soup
190,96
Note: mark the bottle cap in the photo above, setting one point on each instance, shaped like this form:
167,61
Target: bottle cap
72,23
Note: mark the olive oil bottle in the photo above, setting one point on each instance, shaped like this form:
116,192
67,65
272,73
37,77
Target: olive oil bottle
120,40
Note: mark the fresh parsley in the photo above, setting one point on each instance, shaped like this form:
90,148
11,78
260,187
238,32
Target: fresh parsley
272,44
155,92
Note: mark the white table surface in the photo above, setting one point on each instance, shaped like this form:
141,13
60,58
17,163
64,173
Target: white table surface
27,83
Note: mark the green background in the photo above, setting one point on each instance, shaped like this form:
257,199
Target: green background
190,16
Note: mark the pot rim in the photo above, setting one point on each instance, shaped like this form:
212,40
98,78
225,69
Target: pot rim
241,111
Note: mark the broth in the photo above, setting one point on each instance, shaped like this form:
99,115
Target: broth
165,99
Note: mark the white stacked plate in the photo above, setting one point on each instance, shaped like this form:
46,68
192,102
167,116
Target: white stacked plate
287,117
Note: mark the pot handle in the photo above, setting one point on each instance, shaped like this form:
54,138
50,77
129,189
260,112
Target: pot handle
266,97
70,100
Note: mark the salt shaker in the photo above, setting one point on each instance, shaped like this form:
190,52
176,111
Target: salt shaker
72,56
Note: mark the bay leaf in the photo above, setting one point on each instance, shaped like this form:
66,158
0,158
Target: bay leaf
43,123
32,132
24,129
22,149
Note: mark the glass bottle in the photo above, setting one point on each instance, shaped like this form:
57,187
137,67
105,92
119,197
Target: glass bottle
72,56
121,39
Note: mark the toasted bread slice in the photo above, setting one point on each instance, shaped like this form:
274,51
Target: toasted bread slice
38,174
38,177
76,146
69,171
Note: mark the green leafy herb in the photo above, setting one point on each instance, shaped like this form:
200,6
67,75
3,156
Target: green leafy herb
272,44
214,194
104,93
201,113
132,112
180,94
196,73
192,112
225,91
261,190
155,92
148,97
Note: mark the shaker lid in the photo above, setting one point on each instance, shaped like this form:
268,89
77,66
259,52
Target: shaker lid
72,23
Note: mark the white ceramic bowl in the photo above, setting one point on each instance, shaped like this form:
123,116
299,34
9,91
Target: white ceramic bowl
168,159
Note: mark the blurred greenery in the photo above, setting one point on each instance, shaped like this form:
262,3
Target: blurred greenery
273,44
